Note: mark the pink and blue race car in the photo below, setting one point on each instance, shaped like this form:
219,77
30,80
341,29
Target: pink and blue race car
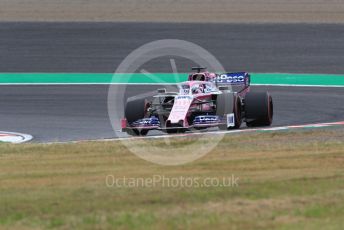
206,100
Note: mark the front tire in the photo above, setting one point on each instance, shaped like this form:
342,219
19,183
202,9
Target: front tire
135,110
227,103
136,132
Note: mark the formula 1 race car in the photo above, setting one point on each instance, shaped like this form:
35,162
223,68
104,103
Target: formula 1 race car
205,100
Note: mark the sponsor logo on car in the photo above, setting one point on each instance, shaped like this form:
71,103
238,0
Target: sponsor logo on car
183,97
230,120
152,121
206,119
230,79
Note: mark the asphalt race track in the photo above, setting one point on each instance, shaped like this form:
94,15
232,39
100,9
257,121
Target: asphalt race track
63,113
66,112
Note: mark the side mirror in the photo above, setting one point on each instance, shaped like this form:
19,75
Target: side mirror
161,91
223,88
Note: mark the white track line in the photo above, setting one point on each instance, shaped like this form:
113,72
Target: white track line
280,128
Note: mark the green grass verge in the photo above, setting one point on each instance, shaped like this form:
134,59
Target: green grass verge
287,180
162,78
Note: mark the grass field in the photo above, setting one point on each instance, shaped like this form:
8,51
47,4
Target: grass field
285,180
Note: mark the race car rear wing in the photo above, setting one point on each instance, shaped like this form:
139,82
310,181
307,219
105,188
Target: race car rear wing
234,79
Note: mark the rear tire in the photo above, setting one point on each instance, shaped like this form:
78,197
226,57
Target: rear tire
258,109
